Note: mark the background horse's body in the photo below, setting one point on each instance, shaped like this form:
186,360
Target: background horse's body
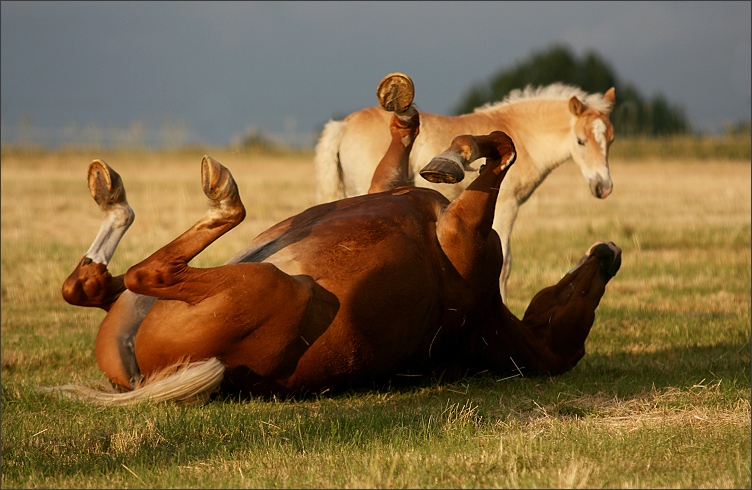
546,125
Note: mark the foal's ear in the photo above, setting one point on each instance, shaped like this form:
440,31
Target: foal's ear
576,106
610,98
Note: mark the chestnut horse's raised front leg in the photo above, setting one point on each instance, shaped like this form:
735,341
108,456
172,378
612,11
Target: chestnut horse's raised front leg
91,284
466,222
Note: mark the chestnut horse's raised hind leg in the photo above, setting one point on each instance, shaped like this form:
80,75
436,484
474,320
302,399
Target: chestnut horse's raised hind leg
91,284
395,93
162,274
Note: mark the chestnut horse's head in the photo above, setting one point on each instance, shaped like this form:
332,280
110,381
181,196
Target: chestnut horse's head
591,137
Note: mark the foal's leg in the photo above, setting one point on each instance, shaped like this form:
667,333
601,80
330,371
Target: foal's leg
395,93
504,218
91,284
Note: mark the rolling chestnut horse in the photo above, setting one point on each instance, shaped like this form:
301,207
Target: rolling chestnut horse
397,281
548,125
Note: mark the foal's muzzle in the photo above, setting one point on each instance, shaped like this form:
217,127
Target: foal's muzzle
601,188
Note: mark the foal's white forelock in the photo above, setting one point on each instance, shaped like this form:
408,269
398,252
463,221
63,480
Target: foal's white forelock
599,132
554,91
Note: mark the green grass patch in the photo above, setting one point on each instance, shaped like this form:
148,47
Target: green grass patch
661,399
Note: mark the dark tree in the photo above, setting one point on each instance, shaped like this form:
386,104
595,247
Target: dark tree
633,114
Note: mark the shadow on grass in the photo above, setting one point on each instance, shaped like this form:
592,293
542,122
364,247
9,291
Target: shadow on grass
151,439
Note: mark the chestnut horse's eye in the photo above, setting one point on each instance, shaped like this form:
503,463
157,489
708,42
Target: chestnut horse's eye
581,142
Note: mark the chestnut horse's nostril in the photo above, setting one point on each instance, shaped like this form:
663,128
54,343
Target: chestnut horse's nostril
609,256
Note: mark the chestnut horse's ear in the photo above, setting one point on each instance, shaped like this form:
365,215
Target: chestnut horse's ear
610,98
576,106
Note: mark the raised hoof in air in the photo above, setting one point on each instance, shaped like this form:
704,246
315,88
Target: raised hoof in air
395,92
105,185
442,171
221,189
216,180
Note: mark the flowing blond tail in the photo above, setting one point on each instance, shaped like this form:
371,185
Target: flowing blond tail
189,383
329,185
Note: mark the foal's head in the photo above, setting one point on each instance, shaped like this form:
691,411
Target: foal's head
592,135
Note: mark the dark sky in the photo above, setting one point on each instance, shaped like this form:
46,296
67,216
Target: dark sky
221,67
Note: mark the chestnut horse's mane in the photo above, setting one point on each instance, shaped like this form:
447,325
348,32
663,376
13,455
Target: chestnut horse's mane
557,91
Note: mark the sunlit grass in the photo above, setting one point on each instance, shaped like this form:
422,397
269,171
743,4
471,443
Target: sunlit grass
661,399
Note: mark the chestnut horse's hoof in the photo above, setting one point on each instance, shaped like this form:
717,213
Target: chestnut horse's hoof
217,181
105,185
395,92
442,171
222,191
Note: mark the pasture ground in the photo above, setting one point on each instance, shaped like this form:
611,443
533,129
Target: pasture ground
661,399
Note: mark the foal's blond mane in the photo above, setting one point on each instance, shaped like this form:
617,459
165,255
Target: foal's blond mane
555,91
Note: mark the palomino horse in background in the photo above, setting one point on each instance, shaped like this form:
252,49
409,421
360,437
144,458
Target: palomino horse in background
548,125
398,281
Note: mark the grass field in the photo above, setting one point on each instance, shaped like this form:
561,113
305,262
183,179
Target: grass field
661,399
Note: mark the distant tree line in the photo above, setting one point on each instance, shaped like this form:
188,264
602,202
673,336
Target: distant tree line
632,115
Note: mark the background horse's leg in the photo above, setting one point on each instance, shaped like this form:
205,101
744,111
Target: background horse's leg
504,218
91,284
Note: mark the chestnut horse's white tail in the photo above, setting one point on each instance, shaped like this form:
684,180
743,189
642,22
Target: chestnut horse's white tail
329,184
183,383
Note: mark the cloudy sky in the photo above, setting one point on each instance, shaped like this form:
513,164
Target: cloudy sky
221,67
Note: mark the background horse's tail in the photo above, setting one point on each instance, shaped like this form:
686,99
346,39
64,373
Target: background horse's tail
183,382
329,184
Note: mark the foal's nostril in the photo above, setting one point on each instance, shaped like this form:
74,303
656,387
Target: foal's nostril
600,188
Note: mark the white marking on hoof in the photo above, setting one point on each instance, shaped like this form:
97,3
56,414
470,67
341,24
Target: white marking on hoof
118,215
509,161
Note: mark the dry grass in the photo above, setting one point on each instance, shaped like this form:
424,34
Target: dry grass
660,400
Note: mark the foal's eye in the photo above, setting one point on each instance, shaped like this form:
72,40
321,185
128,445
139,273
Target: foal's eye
581,142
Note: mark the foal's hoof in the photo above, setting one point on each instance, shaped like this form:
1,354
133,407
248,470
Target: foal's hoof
441,170
105,185
395,92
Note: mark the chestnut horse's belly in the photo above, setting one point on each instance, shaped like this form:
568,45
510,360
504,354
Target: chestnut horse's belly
340,297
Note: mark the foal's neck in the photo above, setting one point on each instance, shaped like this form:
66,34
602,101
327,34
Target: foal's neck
539,128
